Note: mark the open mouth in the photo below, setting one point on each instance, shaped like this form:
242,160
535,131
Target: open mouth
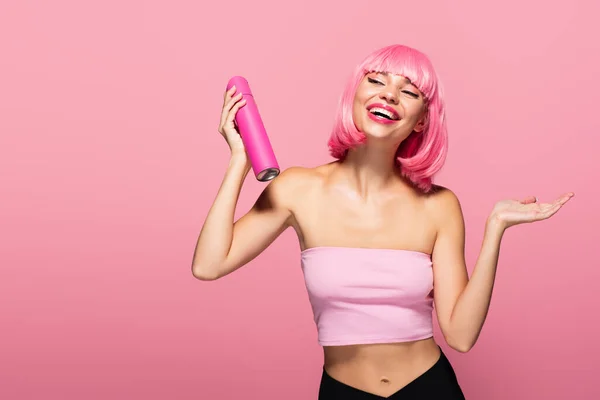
383,112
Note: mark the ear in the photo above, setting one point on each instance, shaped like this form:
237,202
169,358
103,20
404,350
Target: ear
420,126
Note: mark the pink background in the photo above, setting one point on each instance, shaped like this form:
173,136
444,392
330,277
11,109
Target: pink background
110,159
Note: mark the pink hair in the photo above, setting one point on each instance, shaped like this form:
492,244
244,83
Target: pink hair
420,155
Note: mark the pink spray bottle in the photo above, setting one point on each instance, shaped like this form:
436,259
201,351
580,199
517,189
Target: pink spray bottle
253,133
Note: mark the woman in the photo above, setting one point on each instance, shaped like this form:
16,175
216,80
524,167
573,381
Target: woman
376,236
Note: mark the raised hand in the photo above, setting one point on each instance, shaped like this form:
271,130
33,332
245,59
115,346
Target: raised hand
514,212
227,127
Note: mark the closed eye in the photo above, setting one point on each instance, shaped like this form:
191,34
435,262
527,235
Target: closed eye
375,81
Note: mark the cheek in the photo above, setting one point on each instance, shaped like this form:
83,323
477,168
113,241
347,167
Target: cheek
415,111
356,108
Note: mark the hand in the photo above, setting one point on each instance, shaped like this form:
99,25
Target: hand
227,126
513,212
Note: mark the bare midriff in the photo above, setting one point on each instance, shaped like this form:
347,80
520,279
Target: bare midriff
381,369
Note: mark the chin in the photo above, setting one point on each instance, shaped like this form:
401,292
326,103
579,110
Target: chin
377,131
377,134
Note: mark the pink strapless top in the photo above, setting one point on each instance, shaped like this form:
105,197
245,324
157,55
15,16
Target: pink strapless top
365,295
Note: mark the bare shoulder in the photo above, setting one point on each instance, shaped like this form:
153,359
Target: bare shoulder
295,178
291,184
443,204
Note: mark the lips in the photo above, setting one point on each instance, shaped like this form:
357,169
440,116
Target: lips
382,113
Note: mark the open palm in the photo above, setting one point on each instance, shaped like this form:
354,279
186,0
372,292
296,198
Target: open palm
514,212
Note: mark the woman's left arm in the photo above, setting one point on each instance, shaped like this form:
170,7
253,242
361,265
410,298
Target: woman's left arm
461,303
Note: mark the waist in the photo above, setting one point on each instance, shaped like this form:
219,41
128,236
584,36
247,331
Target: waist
364,364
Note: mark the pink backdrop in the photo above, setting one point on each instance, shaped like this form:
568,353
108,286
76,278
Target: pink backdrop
110,159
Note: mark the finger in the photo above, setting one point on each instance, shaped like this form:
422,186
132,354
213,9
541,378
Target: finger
229,93
568,197
228,108
563,199
548,212
232,101
231,115
234,110
529,200
228,98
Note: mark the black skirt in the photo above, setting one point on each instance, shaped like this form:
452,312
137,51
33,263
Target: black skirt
437,383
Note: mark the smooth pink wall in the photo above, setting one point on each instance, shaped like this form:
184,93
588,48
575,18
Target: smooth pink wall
110,159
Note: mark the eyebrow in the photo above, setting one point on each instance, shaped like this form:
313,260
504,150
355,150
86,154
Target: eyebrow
387,74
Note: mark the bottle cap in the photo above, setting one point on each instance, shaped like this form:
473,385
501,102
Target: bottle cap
241,85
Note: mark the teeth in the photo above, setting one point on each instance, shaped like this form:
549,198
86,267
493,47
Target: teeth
382,111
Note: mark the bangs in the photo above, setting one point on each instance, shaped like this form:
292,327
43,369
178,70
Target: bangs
407,62
421,155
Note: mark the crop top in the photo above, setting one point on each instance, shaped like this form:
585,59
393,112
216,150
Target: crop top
367,295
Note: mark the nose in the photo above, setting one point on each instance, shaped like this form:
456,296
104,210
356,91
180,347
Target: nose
389,96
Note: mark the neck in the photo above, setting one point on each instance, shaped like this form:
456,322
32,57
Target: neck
371,167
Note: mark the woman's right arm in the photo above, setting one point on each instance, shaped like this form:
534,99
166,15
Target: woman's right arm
224,246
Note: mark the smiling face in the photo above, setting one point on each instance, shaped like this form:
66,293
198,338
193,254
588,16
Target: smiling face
388,106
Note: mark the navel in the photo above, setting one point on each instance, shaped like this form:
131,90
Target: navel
384,379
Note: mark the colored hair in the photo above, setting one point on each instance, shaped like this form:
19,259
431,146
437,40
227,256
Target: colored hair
422,154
